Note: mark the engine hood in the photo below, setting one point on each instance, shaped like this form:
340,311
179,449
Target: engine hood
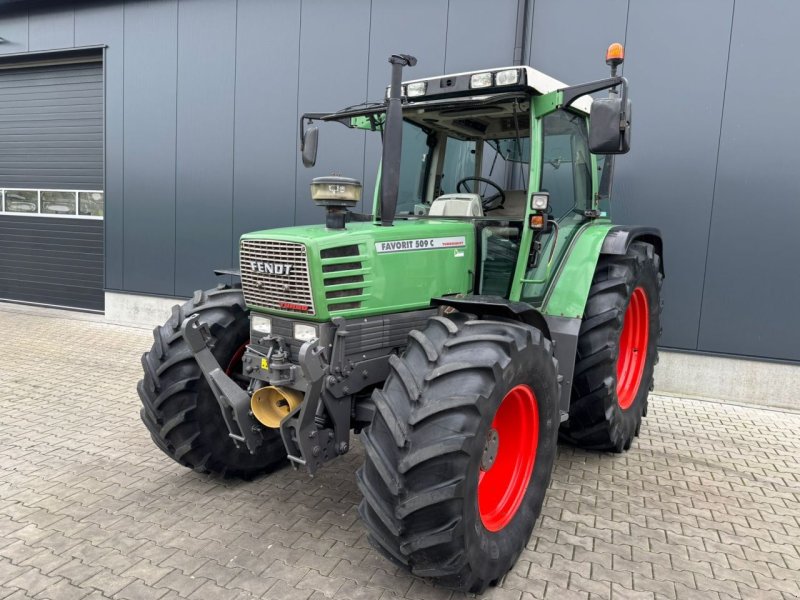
314,273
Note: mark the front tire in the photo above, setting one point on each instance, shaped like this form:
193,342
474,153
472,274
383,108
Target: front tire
460,452
178,407
617,351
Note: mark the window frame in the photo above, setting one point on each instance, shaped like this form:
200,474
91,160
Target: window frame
590,160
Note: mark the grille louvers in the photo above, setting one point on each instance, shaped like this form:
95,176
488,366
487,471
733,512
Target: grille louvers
265,281
343,281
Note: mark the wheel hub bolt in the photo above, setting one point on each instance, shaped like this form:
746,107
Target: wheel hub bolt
490,450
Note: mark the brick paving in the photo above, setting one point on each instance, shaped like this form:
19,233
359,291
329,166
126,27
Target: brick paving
705,505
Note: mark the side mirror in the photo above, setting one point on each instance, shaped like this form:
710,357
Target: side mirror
609,126
308,146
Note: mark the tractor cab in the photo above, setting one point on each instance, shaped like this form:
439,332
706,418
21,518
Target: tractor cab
478,162
480,147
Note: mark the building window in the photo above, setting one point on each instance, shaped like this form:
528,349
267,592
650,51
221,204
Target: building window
91,204
21,201
53,203
58,203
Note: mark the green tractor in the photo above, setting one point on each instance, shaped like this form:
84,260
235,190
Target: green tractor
484,307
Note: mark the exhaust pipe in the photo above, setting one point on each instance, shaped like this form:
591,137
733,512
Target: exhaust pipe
393,140
271,404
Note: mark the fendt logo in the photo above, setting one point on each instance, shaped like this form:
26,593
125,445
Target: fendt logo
271,268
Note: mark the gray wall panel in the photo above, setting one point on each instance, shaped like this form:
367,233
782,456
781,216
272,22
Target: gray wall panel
752,286
667,180
391,22
51,27
15,31
480,34
333,74
569,38
149,146
95,25
265,142
204,170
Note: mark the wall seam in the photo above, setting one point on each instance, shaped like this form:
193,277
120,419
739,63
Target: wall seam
625,35
175,168
529,37
233,248
366,99
446,35
297,101
105,168
716,171
122,207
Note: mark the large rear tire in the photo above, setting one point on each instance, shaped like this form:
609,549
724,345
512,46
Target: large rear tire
617,351
178,406
460,452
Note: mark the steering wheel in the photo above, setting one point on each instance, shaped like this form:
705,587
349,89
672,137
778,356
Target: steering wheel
492,202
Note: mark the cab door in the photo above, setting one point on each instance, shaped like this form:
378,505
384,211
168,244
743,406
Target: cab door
566,174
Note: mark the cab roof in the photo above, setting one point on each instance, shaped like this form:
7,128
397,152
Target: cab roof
530,79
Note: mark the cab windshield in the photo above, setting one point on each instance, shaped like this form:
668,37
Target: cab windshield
481,150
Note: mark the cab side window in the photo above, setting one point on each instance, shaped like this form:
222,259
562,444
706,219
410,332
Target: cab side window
566,163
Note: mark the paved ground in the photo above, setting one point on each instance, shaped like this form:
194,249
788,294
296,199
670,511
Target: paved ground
705,505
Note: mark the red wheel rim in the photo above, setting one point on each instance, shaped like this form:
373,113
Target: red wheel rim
633,348
236,360
502,486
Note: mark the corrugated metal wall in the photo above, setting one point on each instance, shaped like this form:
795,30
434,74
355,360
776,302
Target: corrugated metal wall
51,126
52,261
202,99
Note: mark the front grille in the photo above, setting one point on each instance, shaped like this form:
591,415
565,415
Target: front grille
265,282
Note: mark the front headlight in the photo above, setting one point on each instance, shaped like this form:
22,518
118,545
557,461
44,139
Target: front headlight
304,332
261,324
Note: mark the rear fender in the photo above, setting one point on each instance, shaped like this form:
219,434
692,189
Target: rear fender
565,303
567,297
620,237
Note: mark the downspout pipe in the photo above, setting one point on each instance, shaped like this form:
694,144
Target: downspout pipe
520,58
521,35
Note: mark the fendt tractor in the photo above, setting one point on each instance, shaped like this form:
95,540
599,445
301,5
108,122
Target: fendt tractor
484,307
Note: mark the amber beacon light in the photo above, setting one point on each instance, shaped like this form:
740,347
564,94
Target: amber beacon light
615,54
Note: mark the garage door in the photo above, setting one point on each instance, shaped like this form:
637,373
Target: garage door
51,182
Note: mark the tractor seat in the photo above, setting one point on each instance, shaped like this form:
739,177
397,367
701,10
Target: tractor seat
514,206
456,205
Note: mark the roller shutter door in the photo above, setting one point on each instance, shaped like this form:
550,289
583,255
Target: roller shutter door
51,181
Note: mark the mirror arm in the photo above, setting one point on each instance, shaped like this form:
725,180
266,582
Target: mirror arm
623,118
573,92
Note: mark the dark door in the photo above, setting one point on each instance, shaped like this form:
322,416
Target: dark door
51,183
